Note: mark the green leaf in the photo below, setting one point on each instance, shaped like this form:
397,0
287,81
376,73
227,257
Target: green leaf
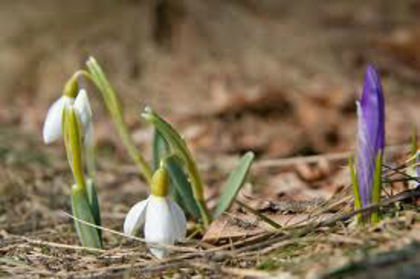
180,147
88,235
377,187
413,143
183,187
160,149
356,193
176,196
234,183
94,203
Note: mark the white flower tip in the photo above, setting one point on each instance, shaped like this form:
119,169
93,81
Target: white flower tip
48,134
91,59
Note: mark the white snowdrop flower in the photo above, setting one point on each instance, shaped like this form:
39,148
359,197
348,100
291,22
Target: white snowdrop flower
53,122
162,220
84,112
52,126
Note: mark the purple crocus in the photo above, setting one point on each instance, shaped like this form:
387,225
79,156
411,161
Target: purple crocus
371,132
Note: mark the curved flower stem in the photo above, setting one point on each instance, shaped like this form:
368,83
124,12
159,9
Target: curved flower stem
97,76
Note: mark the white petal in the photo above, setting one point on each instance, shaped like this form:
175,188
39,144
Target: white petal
83,109
89,138
135,218
52,125
179,220
159,228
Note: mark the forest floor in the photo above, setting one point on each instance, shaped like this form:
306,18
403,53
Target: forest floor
234,76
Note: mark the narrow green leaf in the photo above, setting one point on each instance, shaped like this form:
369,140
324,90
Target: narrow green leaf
355,185
234,183
413,143
377,187
94,203
88,236
160,148
183,187
176,196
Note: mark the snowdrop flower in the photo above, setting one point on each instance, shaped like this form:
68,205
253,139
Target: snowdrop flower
52,126
162,220
53,122
84,111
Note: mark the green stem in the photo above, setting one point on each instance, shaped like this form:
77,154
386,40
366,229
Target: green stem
72,140
97,76
414,141
356,193
376,191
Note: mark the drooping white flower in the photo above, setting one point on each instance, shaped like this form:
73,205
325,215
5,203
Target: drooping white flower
162,220
53,122
84,111
52,125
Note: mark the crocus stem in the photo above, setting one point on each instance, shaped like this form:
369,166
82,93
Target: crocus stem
377,183
97,76
72,140
413,144
355,184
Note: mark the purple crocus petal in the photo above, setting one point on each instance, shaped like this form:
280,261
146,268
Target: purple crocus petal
373,106
371,132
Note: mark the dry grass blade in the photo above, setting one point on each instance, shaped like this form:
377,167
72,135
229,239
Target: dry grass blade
170,247
59,245
272,163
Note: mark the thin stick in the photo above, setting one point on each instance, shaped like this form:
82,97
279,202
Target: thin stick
408,177
170,247
58,245
315,158
260,215
242,272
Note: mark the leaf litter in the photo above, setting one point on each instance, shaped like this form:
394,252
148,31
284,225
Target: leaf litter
38,240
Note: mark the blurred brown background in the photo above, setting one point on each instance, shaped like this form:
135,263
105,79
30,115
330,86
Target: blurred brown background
278,77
